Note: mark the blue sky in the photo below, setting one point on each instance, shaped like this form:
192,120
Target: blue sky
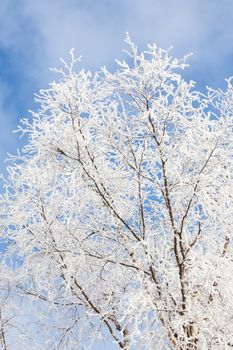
35,34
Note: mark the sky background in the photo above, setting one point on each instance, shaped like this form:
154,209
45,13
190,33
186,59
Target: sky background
35,34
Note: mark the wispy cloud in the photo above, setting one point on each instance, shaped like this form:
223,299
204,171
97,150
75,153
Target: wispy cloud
42,31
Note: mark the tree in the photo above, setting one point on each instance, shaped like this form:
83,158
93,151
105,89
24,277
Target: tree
119,210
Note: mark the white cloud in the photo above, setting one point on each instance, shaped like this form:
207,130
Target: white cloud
43,31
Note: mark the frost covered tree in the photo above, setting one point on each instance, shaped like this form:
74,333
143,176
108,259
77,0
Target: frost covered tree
118,212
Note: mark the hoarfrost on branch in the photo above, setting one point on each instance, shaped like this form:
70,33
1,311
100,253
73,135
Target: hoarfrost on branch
118,213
